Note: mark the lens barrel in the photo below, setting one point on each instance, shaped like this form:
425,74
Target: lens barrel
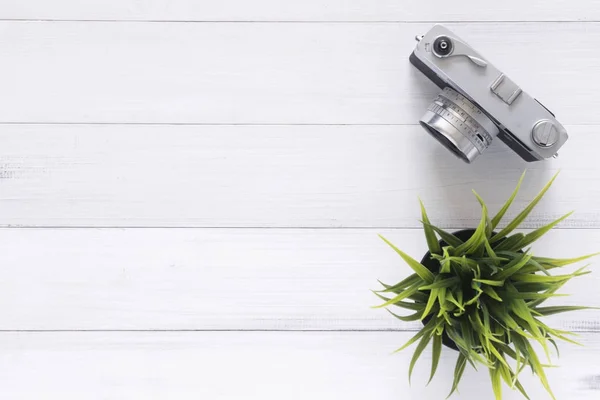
459,125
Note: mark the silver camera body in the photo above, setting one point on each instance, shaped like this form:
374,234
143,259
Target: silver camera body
479,102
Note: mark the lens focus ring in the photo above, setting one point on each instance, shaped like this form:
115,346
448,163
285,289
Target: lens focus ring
459,125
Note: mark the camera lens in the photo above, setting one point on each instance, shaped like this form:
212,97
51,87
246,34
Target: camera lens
459,125
450,145
442,46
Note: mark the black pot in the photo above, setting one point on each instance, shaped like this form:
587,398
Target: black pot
434,266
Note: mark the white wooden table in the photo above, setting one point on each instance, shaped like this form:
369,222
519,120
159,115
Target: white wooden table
191,191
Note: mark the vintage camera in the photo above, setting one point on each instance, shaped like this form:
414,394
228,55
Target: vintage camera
478,102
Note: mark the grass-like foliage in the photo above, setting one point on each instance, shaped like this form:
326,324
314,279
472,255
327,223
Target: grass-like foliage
485,294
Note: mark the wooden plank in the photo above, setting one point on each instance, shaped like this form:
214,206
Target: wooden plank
297,73
265,279
169,365
311,10
275,176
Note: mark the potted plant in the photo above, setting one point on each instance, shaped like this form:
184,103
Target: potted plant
480,292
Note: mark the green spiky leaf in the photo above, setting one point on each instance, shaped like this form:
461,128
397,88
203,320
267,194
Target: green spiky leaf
435,355
561,262
420,347
560,309
400,286
447,236
498,217
459,369
538,233
523,214
496,382
421,270
477,238
432,241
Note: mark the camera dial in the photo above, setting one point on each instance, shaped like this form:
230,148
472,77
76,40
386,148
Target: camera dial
545,134
459,125
443,46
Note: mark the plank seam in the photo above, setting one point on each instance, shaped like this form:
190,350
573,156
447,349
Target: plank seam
18,123
175,21
225,330
289,228
81,123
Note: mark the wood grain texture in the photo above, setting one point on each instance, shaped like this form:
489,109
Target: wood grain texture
234,365
301,117
297,73
311,10
264,279
275,176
